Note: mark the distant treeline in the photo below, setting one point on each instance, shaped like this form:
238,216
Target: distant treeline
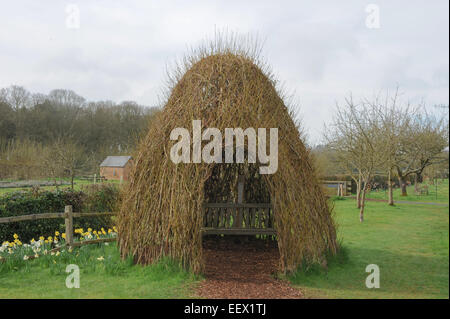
64,118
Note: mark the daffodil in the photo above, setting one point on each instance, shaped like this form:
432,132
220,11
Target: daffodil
100,258
15,236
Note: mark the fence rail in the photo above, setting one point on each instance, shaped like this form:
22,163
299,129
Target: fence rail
68,216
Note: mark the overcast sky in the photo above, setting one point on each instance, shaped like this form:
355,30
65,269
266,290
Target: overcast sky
320,50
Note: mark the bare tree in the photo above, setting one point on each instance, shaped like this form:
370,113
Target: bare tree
393,124
16,96
71,158
355,138
421,145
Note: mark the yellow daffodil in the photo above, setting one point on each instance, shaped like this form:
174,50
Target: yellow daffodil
15,236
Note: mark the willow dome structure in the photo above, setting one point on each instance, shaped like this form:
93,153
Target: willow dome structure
163,206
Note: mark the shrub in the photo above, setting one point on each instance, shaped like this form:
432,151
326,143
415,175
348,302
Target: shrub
98,199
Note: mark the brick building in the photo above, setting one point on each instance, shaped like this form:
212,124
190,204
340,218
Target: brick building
116,167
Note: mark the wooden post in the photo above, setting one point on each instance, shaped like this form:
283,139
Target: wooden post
121,179
240,190
69,225
95,178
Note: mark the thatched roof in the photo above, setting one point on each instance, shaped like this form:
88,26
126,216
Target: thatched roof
161,212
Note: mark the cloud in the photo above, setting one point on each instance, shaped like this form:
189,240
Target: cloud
321,51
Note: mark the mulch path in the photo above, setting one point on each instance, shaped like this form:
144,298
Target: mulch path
243,270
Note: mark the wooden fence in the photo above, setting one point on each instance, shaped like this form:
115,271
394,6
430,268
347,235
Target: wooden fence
94,178
68,216
339,188
219,218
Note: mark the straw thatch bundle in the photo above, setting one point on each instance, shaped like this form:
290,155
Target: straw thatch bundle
161,213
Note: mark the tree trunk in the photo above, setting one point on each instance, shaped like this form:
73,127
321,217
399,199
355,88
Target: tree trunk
363,199
390,190
72,177
401,180
416,184
358,192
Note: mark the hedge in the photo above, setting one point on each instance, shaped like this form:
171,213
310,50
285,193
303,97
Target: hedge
92,198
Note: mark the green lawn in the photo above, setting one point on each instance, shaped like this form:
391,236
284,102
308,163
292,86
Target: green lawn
108,278
441,197
409,243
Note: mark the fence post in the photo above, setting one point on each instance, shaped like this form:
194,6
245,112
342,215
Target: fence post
69,225
95,178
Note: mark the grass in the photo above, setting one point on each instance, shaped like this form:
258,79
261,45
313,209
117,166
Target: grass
77,186
409,243
108,278
439,196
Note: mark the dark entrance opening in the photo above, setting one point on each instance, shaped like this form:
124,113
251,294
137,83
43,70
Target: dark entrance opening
237,202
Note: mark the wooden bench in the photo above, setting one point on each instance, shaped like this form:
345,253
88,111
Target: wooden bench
238,219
